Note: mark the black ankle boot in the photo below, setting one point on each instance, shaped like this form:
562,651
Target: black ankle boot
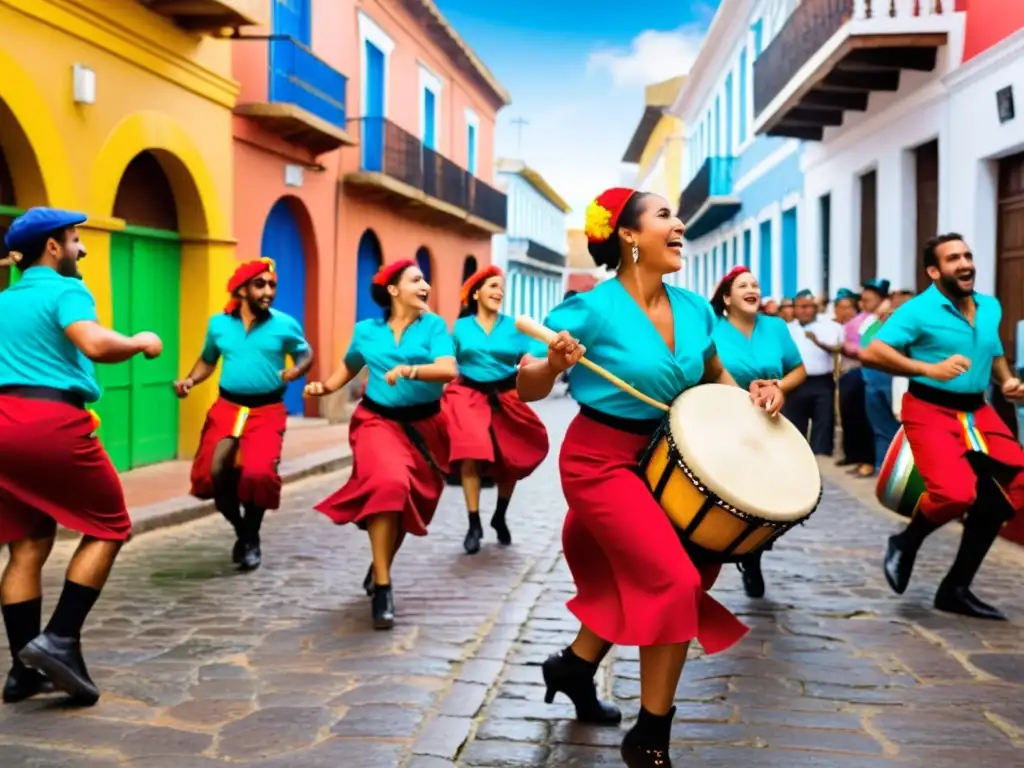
60,660
474,535
383,607
646,743
753,579
567,673
368,581
499,525
981,528
23,683
901,552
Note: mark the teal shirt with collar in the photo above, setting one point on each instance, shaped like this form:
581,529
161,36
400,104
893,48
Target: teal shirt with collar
769,353
253,359
930,328
374,346
34,349
621,338
484,356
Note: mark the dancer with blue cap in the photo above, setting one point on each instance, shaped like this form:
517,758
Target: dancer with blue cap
46,432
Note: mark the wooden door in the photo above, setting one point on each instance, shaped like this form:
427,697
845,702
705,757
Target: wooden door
868,226
927,161
1010,250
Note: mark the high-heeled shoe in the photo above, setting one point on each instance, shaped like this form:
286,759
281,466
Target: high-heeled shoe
565,672
645,745
383,607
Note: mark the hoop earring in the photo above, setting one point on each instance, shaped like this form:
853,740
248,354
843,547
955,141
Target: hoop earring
636,253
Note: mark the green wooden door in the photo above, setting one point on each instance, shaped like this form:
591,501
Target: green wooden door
139,409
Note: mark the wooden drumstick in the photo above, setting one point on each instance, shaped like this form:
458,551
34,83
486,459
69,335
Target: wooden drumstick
531,327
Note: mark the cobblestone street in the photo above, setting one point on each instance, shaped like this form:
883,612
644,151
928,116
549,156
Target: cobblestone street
201,667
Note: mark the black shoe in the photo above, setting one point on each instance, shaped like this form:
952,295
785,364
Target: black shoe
499,526
575,678
898,564
753,579
238,551
962,601
383,607
252,556
368,581
474,535
23,684
60,659
645,745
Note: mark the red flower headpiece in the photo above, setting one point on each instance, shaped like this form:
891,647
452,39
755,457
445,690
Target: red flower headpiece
476,279
603,213
250,270
388,271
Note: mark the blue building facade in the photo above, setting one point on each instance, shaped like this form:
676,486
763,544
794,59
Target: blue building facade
742,193
533,252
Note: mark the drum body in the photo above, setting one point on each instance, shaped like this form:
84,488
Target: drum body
731,478
899,487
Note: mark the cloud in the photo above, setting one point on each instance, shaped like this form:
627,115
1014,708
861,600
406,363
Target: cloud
650,57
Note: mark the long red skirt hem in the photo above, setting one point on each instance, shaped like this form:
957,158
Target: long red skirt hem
260,433
54,471
635,583
508,440
389,474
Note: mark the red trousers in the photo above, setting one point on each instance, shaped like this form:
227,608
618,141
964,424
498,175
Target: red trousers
260,435
940,439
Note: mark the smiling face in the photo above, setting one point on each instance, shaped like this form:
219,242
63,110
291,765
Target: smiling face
745,295
260,292
412,290
66,252
490,295
955,271
659,236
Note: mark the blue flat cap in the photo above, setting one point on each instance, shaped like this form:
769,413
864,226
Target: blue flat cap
878,286
36,222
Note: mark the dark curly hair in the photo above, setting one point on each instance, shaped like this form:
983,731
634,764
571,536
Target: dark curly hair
609,253
380,295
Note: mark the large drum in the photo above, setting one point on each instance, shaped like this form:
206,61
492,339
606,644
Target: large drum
899,487
731,478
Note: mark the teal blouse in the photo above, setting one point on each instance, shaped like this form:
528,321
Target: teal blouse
769,353
490,356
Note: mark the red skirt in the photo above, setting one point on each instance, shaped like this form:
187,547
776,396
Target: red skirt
260,435
389,473
498,430
635,583
54,470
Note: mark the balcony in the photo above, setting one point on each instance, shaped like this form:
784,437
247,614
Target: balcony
210,16
535,252
832,54
395,169
304,100
708,201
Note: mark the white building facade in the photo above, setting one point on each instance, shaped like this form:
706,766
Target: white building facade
742,199
533,250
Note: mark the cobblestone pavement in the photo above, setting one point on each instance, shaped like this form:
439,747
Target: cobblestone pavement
201,667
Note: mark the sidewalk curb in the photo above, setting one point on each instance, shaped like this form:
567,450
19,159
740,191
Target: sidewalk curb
184,509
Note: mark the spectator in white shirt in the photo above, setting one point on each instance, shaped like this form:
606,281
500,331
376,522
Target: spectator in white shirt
813,402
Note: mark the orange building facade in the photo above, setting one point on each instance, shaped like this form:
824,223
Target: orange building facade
363,134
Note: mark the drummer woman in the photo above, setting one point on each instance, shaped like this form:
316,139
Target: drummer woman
493,433
399,436
635,583
757,350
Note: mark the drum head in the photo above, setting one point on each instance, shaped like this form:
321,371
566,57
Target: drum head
761,465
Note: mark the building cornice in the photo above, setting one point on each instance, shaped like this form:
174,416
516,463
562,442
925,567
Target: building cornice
1003,53
534,179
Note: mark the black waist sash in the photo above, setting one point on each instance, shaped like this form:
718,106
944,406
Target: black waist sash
956,401
49,394
490,387
253,401
406,416
645,427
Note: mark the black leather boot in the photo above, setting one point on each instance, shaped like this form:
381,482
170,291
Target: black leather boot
753,579
646,743
368,581
474,535
901,552
565,672
23,683
981,527
499,525
383,607
60,660
252,553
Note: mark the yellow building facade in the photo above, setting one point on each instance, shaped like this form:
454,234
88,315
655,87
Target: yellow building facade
124,114
658,143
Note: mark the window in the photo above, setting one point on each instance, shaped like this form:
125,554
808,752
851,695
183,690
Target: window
728,115
743,97
430,98
758,31
472,140
375,47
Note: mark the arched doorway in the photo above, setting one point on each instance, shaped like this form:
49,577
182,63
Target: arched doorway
6,211
368,261
425,263
468,267
139,410
282,241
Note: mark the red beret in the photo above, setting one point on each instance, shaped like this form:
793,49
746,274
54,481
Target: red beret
603,213
388,271
250,270
476,279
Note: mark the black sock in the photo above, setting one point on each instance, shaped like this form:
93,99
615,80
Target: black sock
72,609
918,529
253,521
653,731
474,521
23,621
501,509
